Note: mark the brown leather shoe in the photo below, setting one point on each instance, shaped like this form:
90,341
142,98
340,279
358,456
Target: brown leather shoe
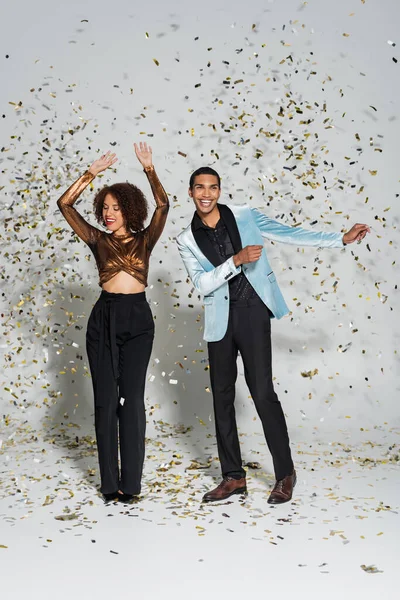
226,488
283,489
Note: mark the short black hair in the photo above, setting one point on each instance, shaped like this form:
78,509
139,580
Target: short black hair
204,171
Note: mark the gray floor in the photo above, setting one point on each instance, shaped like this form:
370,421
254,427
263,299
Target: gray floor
58,539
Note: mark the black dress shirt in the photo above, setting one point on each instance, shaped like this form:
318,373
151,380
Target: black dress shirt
239,286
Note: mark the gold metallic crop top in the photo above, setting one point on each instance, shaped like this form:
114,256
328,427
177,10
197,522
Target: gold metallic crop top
114,254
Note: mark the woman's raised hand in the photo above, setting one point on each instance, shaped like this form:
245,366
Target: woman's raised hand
144,154
102,163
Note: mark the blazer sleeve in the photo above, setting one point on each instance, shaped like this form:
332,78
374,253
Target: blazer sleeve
297,236
204,281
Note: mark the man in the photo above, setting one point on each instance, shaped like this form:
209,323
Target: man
223,253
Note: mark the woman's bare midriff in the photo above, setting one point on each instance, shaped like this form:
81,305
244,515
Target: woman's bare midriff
123,283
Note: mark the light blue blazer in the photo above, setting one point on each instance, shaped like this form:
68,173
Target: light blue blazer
212,282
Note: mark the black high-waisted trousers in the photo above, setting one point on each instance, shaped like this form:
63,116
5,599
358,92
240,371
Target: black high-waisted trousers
119,340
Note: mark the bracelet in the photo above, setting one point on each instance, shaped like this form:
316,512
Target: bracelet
148,169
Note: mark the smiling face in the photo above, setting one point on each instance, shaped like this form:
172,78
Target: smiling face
112,215
205,193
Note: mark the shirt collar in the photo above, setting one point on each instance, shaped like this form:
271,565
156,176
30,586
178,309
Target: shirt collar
198,223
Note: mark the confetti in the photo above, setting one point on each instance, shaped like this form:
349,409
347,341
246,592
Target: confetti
370,569
309,374
272,121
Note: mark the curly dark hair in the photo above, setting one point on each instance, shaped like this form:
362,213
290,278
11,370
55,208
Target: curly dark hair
131,201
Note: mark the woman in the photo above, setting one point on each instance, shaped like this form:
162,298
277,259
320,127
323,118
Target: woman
120,330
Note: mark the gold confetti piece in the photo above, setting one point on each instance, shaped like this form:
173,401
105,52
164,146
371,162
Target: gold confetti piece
309,374
195,465
182,154
370,569
67,517
373,173
3,546
48,500
156,62
147,36
346,35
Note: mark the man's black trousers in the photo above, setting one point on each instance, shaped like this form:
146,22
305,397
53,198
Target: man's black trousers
248,332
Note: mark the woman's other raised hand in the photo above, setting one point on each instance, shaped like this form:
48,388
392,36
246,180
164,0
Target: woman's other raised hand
144,154
104,162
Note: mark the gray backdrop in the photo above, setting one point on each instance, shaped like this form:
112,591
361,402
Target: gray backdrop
294,103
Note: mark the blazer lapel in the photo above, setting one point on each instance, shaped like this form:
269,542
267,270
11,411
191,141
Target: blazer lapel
205,245
229,219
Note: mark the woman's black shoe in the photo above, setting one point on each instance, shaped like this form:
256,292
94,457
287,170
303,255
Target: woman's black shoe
126,498
110,497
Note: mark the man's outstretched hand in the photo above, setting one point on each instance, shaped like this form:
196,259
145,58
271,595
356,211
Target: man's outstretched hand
248,254
356,233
